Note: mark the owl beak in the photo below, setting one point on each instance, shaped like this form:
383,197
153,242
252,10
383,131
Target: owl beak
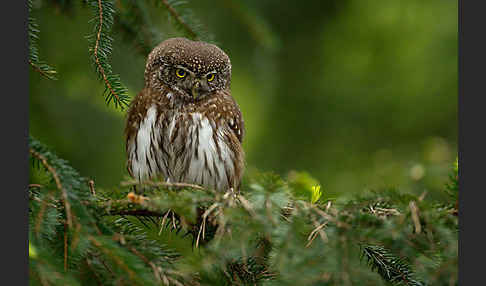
195,89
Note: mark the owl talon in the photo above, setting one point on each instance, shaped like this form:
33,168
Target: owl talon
230,192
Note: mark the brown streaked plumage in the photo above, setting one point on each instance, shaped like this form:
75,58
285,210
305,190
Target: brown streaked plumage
184,125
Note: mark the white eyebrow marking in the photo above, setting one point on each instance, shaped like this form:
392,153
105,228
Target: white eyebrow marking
186,69
210,73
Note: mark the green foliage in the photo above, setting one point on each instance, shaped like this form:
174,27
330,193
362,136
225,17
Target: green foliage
453,186
72,241
181,17
133,20
263,235
276,231
390,267
304,186
101,48
34,61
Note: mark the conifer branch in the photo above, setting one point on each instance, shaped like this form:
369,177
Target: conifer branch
115,258
179,20
183,19
135,25
101,50
97,59
67,205
38,65
390,267
40,215
42,68
132,249
65,248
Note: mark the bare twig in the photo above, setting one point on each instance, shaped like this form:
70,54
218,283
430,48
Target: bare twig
147,213
161,184
383,212
415,217
316,230
246,205
202,228
162,224
35,186
91,187
173,220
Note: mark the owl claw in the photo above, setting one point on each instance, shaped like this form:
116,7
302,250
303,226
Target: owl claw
230,192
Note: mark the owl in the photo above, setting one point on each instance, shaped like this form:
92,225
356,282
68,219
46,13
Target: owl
185,126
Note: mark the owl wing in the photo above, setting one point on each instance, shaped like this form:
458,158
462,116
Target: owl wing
136,113
237,125
234,117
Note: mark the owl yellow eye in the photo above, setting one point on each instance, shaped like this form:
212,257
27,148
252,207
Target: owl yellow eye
211,77
180,73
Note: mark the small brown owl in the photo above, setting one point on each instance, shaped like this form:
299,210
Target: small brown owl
184,125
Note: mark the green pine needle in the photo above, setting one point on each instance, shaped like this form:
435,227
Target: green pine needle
41,67
101,48
390,267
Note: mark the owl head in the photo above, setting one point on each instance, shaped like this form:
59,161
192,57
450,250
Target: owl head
192,69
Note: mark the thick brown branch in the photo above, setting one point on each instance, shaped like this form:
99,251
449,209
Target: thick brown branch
137,213
178,18
58,184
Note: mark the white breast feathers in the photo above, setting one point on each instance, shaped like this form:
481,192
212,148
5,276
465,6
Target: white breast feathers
186,147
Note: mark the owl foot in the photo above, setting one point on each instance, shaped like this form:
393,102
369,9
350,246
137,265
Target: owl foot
230,193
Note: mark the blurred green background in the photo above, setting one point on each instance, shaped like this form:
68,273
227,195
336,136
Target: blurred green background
359,94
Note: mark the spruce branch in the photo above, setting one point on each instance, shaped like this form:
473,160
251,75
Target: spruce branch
59,186
38,65
180,22
101,48
390,267
40,214
135,25
112,255
183,19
